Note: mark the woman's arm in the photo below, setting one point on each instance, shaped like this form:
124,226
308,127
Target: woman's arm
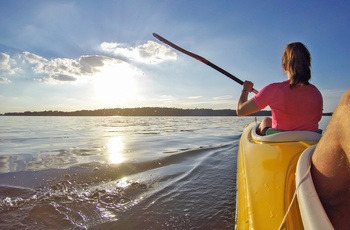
245,106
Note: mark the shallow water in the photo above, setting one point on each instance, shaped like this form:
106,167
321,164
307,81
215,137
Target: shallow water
119,172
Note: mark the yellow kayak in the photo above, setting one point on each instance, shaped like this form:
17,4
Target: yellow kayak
266,183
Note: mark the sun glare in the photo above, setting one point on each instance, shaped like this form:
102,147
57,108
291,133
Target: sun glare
115,147
115,83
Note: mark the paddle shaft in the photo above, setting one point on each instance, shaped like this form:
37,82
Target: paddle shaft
201,59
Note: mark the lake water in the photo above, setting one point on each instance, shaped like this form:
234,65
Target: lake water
119,172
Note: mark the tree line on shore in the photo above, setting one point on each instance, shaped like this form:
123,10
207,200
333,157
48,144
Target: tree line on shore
144,111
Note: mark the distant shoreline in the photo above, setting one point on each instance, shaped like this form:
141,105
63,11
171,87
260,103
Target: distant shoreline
144,111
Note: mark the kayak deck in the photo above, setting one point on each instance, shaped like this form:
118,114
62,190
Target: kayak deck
266,178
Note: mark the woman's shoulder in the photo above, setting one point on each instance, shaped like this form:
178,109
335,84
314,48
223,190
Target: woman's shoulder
314,88
281,83
276,85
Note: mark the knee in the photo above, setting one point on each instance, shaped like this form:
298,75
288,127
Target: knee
345,99
266,122
264,125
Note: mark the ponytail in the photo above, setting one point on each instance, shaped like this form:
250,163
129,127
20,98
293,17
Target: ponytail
296,59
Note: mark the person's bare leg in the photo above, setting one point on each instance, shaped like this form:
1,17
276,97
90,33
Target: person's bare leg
265,123
330,166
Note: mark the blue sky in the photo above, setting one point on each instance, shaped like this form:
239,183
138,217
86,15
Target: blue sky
73,55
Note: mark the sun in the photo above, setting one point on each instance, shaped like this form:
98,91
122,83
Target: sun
116,83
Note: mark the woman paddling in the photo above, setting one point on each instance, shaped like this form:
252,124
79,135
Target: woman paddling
295,103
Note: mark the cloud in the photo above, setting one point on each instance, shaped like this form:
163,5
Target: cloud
64,69
225,97
150,52
195,97
4,59
5,64
166,98
89,64
63,77
4,80
69,70
34,59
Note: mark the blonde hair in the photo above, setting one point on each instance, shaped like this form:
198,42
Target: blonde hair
296,59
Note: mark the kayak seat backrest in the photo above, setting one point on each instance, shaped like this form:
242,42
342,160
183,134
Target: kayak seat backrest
287,136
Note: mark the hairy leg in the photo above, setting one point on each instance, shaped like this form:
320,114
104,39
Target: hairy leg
330,165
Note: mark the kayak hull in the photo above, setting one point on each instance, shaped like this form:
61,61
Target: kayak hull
266,178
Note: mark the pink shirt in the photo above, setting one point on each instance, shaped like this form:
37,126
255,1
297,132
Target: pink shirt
299,108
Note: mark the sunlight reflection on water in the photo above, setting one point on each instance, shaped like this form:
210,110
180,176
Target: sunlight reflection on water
115,147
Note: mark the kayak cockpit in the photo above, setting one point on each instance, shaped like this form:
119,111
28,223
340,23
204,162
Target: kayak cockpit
288,136
266,169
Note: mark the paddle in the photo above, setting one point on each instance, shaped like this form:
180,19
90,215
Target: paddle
199,58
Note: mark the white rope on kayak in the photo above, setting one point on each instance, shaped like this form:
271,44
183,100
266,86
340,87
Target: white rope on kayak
295,194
